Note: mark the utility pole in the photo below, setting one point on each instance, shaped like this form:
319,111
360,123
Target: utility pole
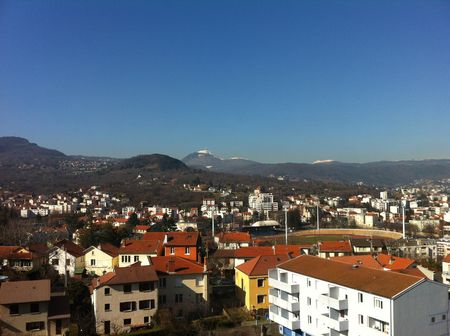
212,221
285,223
318,221
403,221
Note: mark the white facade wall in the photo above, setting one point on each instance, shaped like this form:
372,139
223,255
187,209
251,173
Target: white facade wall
57,259
128,259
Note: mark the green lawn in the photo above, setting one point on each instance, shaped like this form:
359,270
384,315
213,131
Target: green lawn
299,240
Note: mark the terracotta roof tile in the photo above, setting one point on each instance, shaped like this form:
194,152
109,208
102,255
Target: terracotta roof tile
125,275
142,247
394,263
261,265
377,282
232,237
335,246
176,265
174,238
25,291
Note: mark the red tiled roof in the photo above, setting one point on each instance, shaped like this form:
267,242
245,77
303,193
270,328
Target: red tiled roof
5,251
142,227
382,283
447,258
255,251
174,238
260,265
335,246
109,249
125,275
232,237
15,252
71,247
394,263
361,260
142,247
25,291
177,265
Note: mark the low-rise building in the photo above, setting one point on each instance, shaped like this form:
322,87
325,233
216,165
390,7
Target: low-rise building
181,244
233,240
133,251
329,249
124,298
29,307
67,257
101,259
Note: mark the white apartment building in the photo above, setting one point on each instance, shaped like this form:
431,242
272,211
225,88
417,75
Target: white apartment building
262,202
315,296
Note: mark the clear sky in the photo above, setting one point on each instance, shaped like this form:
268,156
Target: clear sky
274,81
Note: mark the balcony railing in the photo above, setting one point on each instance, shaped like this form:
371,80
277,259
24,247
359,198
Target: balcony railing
291,322
336,324
289,303
284,286
338,304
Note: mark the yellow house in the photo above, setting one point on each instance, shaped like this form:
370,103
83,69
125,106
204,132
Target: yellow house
101,259
252,283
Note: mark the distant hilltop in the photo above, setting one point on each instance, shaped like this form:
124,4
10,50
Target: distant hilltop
18,153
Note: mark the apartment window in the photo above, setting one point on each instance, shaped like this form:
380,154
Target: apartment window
162,282
146,286
172,250
361,319
55,262
308,283
126,321
433,319
127,288
152,304
127,306
14,309
161,299
178,282
178,298
34,308
260,299
67,262
144,304
136,258
444,317
32,326
309,319
378,303
107,291
107,307
360,297
260,282
187,250
146,319
126,258
308,301
92,262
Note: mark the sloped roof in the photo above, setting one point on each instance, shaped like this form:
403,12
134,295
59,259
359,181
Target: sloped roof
260,266
394,263
377,282
109,249
361,260
25,291
234,237
142,247
335,246
178,238
126,275
71,247
176,265
447,258
255,251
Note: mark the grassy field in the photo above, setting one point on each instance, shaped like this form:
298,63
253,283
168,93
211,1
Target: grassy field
300,240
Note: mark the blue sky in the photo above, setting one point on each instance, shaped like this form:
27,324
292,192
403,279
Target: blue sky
273,81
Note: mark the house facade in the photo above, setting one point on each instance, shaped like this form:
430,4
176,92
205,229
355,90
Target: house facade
66,256
101,259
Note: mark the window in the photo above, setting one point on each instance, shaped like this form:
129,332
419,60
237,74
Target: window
433,319
360,297
31,326
309,319
34,308
107,291
144,304
172,250
162,282
178,298
55,262
361,319
126,321
152,304
444,317
260,282
126,258
146,319
127,306
378,303
161,299
107,307
92,262
68,262
187,250
146,286
260,299
14,309
308,283
127,288
308,301
136,258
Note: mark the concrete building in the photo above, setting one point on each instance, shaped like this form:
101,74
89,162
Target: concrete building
261,202
29,307
314,296
125,298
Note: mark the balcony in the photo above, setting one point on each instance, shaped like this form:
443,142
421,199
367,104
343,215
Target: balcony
291,306
335,303
286,321
280,281
334,321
